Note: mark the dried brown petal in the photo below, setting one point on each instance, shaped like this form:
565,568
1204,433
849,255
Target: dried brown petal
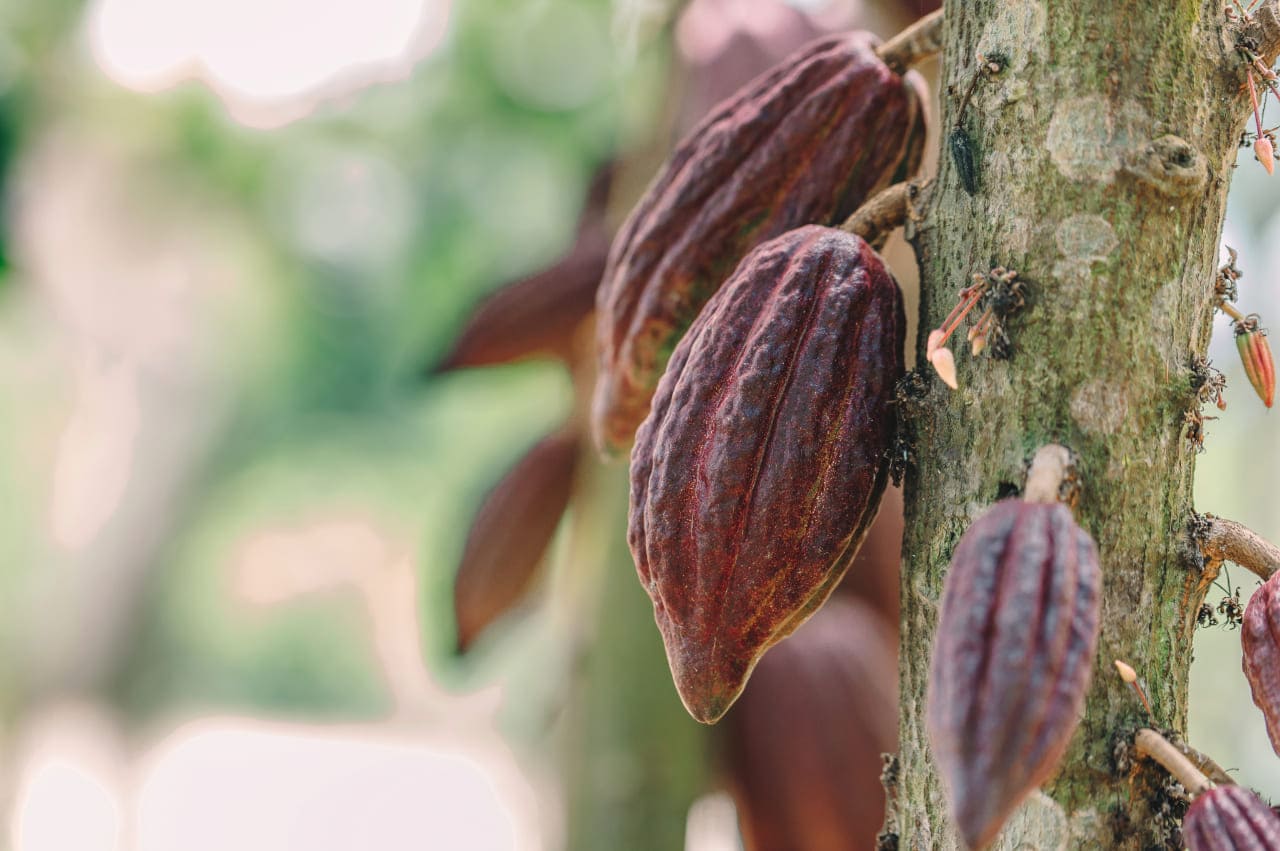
805,143
804,743
511,532
1260,637
762,464
1230,818
1012,660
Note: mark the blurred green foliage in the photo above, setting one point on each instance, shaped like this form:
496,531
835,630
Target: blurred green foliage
367,231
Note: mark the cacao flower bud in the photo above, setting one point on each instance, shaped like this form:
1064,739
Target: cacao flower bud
804,143
1266,154
511,532
1255,353
804,742
1012,659
1258,636
1230,818
762,463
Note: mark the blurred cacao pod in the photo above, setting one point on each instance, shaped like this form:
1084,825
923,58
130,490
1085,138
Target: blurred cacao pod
536,316
875,569
1012,659
1258,636
804,143
511,532
804,743
757,473
1230,818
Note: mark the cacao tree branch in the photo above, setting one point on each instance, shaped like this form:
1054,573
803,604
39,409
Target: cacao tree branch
1154,746
1227,540
915,44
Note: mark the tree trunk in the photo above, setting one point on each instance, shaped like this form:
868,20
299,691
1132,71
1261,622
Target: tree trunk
1104,150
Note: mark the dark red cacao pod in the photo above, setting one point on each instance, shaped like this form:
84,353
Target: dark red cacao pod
1230,818
1011,663
805,143
762,463
804,743
1260,637
511,532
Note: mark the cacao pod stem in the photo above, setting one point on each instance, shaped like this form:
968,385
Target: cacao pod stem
1226,540
886,210
1050,467
1154,746
915,44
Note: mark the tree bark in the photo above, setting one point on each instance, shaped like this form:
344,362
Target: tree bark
1104,150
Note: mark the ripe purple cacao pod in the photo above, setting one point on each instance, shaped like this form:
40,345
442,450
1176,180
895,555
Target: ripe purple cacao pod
511,533
1011,663
1230,818
761,465
1259,637
804,743
805,143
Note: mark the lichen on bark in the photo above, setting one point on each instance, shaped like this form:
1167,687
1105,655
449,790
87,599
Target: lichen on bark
1105,149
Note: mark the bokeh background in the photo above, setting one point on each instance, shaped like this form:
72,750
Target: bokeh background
238,241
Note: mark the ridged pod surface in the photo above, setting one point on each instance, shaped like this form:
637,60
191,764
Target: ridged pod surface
511,533
1011,663
1260,638
762,463
804,743
805,143
1230,818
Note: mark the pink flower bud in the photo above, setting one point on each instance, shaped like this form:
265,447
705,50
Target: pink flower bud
1265,152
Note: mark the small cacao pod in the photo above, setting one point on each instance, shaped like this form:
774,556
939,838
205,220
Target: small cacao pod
1230,818
1011,663
762,463
1259,637
511,532
805,143
804,743
1255,354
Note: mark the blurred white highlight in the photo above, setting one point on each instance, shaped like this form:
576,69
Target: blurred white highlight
267,59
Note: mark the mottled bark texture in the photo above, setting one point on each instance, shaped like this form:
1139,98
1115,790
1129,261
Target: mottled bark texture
1104,148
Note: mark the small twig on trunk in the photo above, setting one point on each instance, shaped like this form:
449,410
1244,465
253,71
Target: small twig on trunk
1226,540
915,44
1152,745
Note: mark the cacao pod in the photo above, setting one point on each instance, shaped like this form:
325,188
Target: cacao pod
511,532
804,143
804,743
1258,636
1011,663
762,463
1230,818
